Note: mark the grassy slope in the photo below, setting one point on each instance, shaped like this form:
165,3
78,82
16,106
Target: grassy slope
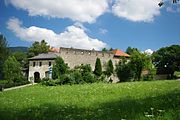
95,101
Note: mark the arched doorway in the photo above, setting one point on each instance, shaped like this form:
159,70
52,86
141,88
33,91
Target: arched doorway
36,77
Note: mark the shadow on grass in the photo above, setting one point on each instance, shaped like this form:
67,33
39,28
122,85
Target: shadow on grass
127,108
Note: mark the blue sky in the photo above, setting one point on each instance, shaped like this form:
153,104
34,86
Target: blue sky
91,24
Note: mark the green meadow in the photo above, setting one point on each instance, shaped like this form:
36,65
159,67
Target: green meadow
156,100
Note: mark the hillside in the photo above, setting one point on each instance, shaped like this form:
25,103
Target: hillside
19,48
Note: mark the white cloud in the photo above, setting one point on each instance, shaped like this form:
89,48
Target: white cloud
77,10
149,51
136,10
103,31
73,36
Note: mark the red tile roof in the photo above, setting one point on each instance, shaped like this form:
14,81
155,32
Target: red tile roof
119,53
56,50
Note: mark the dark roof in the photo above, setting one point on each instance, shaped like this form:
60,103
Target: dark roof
45,56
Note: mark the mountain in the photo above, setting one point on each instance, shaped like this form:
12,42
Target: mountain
18,48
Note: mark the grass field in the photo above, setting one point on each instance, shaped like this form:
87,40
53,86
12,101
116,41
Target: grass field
135,100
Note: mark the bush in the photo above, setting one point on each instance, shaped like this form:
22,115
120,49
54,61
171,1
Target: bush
78,77
49,82
67,79
88,77
123,71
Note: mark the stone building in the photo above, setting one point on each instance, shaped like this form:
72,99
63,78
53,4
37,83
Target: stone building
41,66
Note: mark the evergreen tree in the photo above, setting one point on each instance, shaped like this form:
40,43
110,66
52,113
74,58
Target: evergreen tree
4,53
98,67
109,68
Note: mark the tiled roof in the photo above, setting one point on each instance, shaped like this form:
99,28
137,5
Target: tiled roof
119,53
56,50
44,56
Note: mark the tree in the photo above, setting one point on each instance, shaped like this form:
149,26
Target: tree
4,52
138,62
167,59
59,69
98,67
38,48
86,73
104,50
12,70
109,68
21,57
130,50
124,71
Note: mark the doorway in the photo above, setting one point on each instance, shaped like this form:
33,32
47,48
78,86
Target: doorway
36,77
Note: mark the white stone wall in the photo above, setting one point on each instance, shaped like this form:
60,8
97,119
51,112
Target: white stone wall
41,69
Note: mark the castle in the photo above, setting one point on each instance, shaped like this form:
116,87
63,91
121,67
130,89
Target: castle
41,65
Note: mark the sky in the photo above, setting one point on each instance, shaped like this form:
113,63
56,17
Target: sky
88,24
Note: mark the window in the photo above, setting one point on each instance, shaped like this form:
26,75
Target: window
40,64
47,74
102,54
49,63
34,64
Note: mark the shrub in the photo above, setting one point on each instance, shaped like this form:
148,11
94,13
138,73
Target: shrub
49,82
88,77
78,77
123,71
67,79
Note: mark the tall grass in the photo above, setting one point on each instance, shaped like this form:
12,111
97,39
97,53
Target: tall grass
134,100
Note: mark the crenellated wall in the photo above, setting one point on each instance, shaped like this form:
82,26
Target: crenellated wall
74,57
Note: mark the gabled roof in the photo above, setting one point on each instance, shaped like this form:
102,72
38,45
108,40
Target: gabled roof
45,56
119,53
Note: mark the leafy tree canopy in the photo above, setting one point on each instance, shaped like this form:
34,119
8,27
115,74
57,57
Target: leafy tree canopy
12,70
21,57
37,48
167,59
138,62
130,50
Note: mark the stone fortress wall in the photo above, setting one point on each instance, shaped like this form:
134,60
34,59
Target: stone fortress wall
74,57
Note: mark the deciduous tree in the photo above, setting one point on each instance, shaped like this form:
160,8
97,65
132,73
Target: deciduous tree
12,70
37,48
167,59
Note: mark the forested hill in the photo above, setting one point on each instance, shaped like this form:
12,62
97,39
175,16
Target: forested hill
19,48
